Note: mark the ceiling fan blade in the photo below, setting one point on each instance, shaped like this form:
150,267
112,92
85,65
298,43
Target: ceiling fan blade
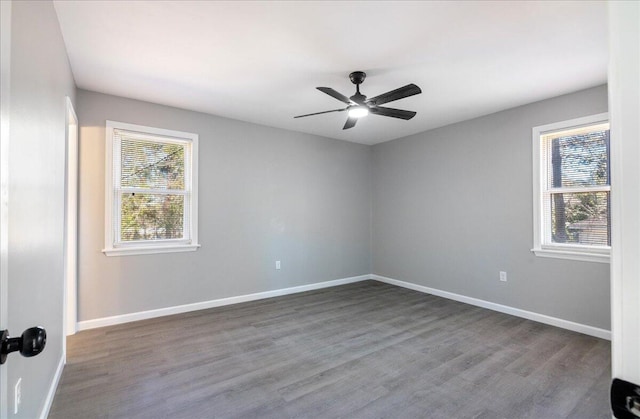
319,113
334,94
351,122
400,93
394,113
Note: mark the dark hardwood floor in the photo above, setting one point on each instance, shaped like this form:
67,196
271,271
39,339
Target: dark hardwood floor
364,350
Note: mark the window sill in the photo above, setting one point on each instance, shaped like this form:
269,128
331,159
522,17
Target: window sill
149,250
571,254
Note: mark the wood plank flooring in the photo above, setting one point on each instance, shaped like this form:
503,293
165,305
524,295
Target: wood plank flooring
364,350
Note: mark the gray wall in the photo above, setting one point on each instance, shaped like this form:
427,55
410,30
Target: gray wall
453,206
40,79
265,195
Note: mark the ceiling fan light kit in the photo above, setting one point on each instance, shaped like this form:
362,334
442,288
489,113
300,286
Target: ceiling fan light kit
358,112
358,105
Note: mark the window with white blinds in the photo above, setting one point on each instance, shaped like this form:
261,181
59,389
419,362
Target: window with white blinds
572,189
151,190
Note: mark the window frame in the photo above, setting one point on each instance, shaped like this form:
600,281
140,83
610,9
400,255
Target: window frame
113,245
541,246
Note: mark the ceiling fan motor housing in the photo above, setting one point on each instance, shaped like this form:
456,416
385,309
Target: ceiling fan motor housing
357,77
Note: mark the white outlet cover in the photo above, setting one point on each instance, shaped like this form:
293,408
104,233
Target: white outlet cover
17,396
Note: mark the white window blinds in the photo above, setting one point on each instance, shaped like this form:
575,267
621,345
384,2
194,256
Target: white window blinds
576,196
152,190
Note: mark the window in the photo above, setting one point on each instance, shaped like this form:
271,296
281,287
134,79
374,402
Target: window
572,189
151,190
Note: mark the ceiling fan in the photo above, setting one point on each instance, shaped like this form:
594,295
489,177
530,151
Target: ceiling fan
358,105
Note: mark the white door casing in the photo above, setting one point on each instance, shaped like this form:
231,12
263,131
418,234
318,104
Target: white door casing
71,223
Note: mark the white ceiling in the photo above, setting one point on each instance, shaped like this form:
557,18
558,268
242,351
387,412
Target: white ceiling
261,61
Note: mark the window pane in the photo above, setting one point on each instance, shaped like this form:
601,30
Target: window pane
148,164
579,160
580,218
151,217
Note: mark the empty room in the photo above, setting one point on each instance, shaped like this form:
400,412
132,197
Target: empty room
320,209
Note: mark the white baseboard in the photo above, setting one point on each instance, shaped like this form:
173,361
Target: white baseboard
541,318
142,315
52,389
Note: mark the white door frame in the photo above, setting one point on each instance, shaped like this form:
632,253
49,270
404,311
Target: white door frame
71,224
5,84
624,108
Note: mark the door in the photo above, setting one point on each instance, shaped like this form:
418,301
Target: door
624,108
32,173
5,45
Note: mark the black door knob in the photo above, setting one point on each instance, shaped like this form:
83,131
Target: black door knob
31,343
625,399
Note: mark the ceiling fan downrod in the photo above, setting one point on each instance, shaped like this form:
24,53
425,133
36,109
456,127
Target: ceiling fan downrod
357,78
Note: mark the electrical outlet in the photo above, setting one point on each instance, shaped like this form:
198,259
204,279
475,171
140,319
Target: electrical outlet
17,395
503,276
277,264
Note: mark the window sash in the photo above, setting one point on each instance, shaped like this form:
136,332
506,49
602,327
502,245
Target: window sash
548,191
117,153
119,135
547,221
117,223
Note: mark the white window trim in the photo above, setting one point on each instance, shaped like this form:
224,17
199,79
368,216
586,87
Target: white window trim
139,248
561,251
